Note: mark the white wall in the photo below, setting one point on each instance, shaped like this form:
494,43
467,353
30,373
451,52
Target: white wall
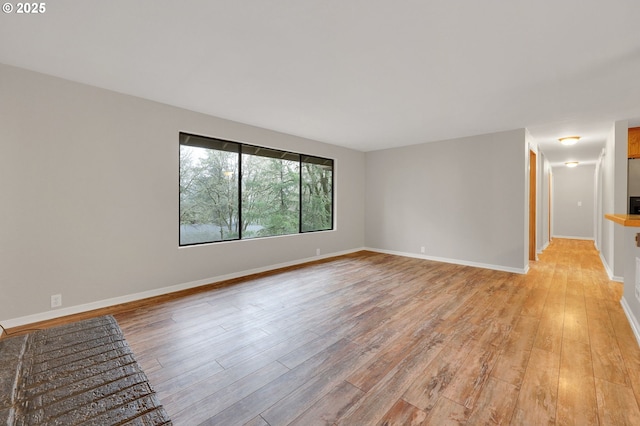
543,172
532,145
573,186
544,176
464,200
629,301
599,201
89,184
612,180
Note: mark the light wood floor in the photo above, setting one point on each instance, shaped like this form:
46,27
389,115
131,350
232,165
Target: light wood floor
370,339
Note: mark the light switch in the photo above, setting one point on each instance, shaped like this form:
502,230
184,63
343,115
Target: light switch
579,203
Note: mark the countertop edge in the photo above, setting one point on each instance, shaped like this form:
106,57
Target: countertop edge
624,219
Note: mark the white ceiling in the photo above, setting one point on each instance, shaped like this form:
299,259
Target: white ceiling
365,74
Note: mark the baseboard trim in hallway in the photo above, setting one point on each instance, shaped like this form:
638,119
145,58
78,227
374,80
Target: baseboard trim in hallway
633,321
608,270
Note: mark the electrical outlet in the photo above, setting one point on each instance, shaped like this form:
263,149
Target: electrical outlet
317,252
56,300
422,249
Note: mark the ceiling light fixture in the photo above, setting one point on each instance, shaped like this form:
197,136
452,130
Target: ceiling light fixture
569,140
571,163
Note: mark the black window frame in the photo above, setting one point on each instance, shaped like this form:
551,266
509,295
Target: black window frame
194,140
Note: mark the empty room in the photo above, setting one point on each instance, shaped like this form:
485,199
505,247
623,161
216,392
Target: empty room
319,213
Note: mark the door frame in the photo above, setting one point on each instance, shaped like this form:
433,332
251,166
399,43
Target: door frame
532,204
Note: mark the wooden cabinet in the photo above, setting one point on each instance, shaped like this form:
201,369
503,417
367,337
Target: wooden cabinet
634,142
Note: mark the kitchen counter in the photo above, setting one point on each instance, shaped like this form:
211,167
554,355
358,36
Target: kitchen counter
624,219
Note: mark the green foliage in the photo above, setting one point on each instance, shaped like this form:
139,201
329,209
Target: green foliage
317,193
270,195
209,192
209,203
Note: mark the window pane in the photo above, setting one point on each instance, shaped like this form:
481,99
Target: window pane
270,194
317,194
208,195
230,191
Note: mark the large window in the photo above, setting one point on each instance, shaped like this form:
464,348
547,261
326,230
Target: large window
232,191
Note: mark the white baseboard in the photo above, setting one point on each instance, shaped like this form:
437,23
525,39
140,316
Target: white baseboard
543,248
633,321
71,310
609,272
573,238
454,261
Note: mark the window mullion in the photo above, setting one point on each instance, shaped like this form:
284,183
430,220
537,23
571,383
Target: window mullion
240,192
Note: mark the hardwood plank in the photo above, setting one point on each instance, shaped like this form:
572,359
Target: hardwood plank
539,391
296,357
576,325
295,403
511,366
575,279
622,328
549,336
608,363
557,292
394,351
290,338
576,387
508,311
168,381
202,348
428,386
202,409
395,318
628,347
256,421
469,381
616,404
534,303
514,356
333,405
403,414
210,377
448,413
523,335
375,403
251,405
495,405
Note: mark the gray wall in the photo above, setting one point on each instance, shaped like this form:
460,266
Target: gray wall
462,199
89,184
572,186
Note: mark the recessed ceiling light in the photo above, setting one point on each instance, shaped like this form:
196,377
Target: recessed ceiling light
571,163
569,140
